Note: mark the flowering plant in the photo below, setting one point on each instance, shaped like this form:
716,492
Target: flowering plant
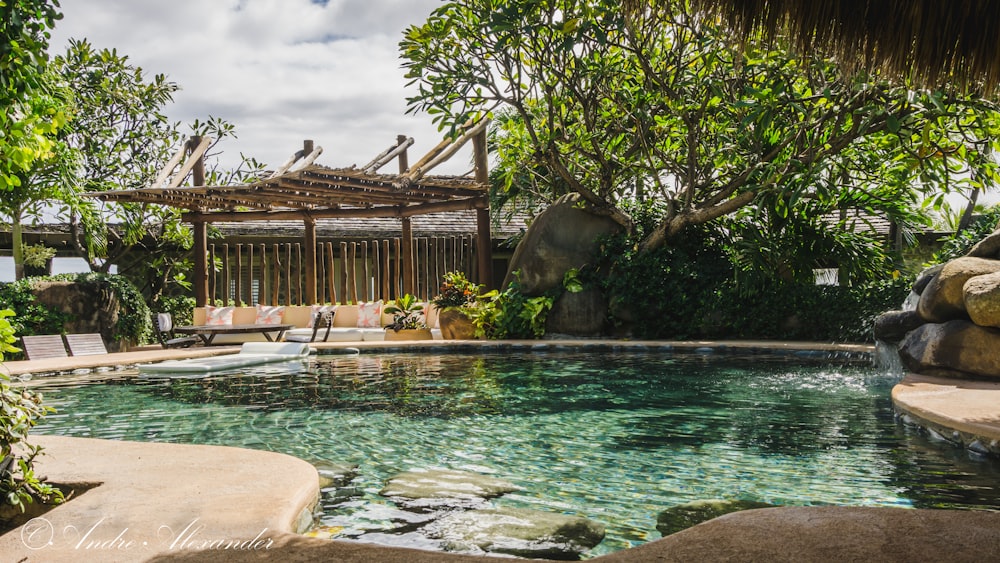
456,291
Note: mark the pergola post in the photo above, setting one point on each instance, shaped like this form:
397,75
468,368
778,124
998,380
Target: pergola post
407,250
200,232
309,240
484,239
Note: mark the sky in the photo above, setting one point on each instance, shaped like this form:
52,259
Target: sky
281,71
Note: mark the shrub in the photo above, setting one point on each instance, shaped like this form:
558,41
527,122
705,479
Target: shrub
19,412
509,314
688,290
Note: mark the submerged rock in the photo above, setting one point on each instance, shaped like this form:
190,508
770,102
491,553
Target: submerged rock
520,532
335,474
443,487
683,516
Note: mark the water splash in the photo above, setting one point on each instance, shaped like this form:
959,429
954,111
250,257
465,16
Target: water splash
887,359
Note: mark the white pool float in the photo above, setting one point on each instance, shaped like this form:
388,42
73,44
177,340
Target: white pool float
250,354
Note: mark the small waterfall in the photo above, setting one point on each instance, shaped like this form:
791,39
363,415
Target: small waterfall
887,359
910,303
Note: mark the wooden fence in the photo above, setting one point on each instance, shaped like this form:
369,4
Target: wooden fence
346,272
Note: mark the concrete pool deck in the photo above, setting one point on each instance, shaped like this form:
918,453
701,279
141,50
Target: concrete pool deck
171,502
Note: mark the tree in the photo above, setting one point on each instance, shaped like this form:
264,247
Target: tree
125,140
34,161
659,106
36,127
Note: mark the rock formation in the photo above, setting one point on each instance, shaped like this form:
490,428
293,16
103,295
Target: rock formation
954,330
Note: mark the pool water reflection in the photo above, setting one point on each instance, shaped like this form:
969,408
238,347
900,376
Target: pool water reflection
614,438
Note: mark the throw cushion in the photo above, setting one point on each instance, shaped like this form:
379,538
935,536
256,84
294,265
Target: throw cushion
165,321
317,309
370,315
218,315
269,314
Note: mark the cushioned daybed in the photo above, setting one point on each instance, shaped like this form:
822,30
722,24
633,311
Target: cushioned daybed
351,323
251,354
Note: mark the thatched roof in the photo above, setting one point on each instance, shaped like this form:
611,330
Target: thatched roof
936,43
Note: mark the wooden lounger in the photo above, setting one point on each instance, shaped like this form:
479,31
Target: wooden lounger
42,346
90,344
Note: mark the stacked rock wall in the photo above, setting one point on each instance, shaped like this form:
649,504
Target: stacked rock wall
954,329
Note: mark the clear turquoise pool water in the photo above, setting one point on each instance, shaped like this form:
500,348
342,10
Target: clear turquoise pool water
612,437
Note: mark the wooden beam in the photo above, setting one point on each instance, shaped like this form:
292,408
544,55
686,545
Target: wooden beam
200,258
484,244
402,143
407,257
196,159
348,212
200,248
309,240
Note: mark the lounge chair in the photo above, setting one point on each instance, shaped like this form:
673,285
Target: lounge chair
44,346
320,320
90,344
163,324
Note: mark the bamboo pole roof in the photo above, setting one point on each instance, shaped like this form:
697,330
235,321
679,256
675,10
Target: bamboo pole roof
309,190
318,190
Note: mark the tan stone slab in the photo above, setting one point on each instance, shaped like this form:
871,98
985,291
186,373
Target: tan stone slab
968,406
149,498
830,533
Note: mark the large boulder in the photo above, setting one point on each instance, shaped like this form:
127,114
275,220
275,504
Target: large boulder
982,299
952,349
519,532
925,277
563,237
893,325
989,247
584,313
944,298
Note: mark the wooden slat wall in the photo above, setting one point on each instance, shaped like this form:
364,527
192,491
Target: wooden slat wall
346,272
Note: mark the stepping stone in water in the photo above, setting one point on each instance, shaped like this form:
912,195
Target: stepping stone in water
515,531
437,488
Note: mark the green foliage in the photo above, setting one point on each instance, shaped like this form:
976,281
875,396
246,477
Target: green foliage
134,320
456,291
958,244
407,314
690,290
37,255
31,317
119,127
659,106
20,410
807,312
509,314
665,292
24,39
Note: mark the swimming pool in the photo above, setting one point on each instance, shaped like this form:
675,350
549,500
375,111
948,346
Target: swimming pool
616,438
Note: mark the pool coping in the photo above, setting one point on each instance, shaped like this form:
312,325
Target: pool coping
141,491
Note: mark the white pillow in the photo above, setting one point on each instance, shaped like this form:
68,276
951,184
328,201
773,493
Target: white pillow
218,315
269,314
317,309
370,315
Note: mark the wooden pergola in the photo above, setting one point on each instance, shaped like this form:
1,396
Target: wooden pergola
303,190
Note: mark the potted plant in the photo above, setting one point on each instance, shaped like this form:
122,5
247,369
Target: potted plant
38,260
407,320
457,297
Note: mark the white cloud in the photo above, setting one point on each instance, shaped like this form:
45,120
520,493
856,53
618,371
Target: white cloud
281,71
